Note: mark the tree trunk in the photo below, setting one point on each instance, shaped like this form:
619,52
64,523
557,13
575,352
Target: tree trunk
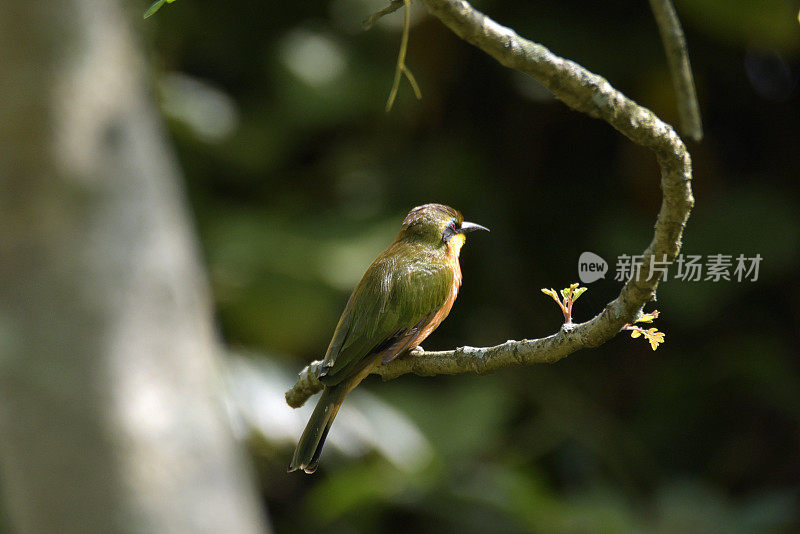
111,417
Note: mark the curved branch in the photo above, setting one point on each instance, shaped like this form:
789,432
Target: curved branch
593,95
680,70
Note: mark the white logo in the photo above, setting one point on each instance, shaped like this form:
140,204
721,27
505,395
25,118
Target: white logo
591,267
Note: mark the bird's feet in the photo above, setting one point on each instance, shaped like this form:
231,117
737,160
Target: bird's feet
416,351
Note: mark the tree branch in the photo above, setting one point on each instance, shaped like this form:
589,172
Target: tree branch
593,95
391,8
680,70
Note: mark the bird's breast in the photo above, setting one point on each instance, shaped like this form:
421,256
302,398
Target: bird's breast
453,250
439,316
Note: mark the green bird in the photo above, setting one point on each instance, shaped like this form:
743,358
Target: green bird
404,295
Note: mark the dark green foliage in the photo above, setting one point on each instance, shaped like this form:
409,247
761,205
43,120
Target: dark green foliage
702,435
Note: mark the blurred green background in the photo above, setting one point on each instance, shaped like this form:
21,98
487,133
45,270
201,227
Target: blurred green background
298,179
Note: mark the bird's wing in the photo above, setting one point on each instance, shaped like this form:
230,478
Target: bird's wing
397,297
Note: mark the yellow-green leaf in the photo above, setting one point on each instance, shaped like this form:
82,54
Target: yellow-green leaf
578,292
155,6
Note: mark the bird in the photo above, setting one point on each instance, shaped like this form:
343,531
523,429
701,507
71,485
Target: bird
403,296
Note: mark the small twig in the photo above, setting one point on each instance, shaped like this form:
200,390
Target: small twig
401,68
568,297
652,335
413,82
391,8
570,301
680,70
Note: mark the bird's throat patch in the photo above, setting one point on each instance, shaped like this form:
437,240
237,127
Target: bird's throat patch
455,243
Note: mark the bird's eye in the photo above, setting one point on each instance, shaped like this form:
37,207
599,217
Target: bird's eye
450,230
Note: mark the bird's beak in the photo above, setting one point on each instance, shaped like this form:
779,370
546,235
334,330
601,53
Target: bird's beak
467,227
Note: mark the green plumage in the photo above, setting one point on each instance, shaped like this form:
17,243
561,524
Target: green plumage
398,297
405,285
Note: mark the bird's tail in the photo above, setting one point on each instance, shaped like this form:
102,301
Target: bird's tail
306,455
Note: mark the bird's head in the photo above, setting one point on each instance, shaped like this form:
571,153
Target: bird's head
437,225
